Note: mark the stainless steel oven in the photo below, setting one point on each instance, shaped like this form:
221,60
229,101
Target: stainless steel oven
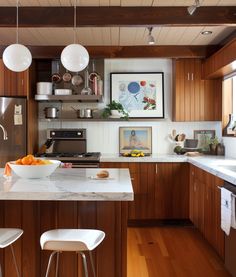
70,146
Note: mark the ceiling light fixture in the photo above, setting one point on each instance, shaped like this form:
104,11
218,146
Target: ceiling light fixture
192,9
151,39
17,57
206,33
75,57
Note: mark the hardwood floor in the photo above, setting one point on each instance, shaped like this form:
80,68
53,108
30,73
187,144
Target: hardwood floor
170,252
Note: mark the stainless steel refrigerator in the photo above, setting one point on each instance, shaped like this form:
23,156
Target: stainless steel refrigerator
13,136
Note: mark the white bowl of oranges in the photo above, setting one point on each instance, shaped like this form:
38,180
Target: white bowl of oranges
30,167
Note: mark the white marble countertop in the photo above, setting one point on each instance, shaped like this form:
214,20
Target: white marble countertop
154,158
69,184
212,164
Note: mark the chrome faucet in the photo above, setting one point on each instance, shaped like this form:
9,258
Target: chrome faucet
5,137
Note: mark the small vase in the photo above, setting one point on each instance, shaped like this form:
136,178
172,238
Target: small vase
212,149
116,114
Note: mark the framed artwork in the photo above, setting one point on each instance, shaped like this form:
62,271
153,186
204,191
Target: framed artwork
203,137
141,94
139,138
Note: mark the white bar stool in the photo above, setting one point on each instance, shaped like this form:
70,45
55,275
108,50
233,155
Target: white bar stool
77,240
7,237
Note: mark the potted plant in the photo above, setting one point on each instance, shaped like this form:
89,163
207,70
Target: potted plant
213,142
115,109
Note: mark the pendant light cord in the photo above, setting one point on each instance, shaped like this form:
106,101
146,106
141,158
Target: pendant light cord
75,4
17,21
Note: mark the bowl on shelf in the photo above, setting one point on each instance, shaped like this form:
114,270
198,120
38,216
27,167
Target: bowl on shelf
34,171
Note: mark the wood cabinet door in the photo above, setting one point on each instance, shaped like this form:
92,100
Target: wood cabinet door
13,83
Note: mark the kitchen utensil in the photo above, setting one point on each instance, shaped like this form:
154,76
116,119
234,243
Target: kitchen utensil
86,90
67,76
93,74
44,88
88,113
63,91
56,77
77,80
51,112
80,112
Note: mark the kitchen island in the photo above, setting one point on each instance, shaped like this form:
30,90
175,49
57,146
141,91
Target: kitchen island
69,198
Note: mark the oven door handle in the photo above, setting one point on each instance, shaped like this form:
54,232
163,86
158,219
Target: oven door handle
84,165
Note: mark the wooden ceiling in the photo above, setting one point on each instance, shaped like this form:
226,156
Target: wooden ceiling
173,26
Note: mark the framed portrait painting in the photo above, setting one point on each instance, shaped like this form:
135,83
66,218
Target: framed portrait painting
139,138
141,94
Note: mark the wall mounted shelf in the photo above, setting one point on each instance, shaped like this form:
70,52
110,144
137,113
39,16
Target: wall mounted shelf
69,98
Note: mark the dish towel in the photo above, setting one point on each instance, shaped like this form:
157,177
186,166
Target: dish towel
226,210
233,215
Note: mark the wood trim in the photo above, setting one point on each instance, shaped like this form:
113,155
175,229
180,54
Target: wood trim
227,100
117,16
165,51
221,63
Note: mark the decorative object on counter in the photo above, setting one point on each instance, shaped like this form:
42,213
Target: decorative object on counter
135,138
114,110
141,94
86,90
213,142
44,88
134,153
75,57
103,174
220,149
17,57
177,139
229,129
56,77
179,150
190,143
204,137
51,112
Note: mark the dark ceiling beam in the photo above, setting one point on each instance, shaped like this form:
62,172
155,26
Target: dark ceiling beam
165,51
117,16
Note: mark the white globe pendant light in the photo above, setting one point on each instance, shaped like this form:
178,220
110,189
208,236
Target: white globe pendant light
17,57
75,57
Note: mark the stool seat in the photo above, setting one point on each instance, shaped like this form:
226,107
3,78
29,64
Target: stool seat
71,239
8,236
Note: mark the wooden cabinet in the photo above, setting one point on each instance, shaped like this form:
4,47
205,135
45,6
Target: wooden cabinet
194,99
13,83
205,206
158,194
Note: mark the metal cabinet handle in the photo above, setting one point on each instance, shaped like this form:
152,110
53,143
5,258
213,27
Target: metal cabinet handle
188,76
192,76
156,168
132,179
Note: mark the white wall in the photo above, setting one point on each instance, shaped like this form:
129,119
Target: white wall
104,136
230,147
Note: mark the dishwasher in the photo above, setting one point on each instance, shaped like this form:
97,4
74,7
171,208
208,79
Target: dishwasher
230,241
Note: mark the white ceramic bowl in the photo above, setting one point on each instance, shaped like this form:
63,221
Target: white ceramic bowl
44,88
63,91
34,171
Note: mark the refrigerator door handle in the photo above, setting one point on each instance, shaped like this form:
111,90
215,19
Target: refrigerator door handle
5,137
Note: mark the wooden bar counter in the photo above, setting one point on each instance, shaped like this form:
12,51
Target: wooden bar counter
69,198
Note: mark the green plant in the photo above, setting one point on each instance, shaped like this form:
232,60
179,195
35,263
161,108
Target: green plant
214,141
114,106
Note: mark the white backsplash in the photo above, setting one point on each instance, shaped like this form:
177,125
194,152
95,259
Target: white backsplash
230,147
104,136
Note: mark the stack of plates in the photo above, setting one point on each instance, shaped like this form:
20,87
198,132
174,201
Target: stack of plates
63,91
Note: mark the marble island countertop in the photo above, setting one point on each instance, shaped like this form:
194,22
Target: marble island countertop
69,184
220,166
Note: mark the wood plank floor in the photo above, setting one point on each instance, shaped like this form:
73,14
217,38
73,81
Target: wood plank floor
170,252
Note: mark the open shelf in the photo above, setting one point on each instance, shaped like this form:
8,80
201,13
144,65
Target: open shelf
69,98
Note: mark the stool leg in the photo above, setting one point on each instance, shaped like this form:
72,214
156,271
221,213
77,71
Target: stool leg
14,260
92,263
49,263
57,263
85,264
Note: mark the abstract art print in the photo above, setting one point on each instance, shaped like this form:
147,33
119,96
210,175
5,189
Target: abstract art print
141,94
139,138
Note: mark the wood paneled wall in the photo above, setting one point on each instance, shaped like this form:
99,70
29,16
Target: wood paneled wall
35,217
